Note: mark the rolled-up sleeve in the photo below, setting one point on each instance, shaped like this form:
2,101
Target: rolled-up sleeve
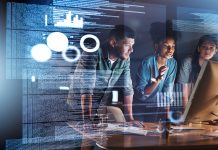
142,78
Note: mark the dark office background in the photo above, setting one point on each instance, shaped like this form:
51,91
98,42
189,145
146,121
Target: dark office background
11,89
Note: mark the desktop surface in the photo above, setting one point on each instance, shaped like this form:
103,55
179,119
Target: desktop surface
194,136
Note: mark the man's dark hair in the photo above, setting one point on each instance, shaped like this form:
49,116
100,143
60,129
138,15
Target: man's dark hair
121,31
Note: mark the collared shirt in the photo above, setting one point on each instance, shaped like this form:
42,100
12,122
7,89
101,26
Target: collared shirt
94,75
147,71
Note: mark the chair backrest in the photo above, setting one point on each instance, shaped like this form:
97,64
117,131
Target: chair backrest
115,114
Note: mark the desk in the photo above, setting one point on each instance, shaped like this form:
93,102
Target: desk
185,139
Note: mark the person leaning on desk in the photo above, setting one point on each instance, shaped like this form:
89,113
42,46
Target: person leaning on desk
156,75
98,72
191,66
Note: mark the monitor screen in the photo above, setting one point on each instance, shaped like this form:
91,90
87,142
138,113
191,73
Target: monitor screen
203,102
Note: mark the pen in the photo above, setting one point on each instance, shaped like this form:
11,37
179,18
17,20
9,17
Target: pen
141,123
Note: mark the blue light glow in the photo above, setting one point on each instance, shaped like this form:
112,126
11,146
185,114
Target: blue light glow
33,79
64,88
175,120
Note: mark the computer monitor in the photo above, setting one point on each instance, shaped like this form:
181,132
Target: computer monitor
203,102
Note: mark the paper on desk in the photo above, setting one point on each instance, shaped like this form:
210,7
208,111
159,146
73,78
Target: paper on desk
126,129
187,128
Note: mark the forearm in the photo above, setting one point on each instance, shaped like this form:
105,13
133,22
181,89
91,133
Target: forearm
86,105
149,89
128,107
155,81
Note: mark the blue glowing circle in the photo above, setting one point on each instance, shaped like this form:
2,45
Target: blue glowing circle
41,52
172,119
90,50
57,41
64,55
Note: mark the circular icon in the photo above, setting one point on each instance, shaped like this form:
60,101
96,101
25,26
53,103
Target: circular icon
57,41
41,52
177,119
89,49
64,55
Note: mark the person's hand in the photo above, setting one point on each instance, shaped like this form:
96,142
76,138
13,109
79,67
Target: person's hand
87,126
136,123
162,71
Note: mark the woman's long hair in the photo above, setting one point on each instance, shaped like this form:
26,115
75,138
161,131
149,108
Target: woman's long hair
195,58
